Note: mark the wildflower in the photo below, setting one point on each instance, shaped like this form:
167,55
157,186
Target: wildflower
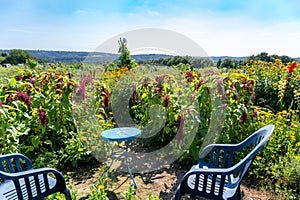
101,187
189,76
235,97
251,82
69,84
159,79
292,67
144,95
83,138
93,148
244,117
32,81
60,79
106,97
19,77
259,157
167,101
158,89
272,156
68,173
198,84
80,149
43,117
24,97
293,137
255,114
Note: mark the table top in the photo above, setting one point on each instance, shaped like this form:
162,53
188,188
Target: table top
121,134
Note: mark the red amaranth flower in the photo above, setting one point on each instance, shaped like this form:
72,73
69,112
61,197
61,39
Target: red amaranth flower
198,84
244,117
19,77
189,76
292,67
43,116
106,97
32,81
167,101
158,89
133,94
24,97
159,79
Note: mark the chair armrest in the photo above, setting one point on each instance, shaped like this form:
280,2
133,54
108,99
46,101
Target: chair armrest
16,157
32,172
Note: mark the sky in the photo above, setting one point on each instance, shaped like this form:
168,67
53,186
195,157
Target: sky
220,27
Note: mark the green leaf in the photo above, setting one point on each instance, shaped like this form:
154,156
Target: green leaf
35,141
48,142
4,114
26,115
29,148
12,82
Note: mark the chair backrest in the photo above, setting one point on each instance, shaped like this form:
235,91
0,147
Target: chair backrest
250,148
254,143
13,163
33,184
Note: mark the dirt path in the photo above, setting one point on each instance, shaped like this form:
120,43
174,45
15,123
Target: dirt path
162,183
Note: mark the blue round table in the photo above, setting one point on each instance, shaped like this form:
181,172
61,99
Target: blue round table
119,135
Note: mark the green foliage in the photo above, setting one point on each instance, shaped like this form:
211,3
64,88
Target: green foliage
270,58
228,63
18,56
98,191
37,115
277,88
201,62
172,61
31,63
37,119
276,102
279,161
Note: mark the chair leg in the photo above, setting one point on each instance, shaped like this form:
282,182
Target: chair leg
237,195
177,194
68,195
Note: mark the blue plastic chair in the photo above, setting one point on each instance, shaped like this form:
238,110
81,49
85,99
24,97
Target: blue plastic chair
218,175
19,181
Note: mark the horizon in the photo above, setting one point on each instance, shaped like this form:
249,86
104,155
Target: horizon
222,27
208,56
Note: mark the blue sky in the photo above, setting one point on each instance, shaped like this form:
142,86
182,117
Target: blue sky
221,27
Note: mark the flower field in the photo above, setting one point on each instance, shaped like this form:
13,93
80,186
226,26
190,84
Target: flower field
44,114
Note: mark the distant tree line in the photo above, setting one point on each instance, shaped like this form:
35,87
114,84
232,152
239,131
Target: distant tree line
271,58
16,56
197,62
